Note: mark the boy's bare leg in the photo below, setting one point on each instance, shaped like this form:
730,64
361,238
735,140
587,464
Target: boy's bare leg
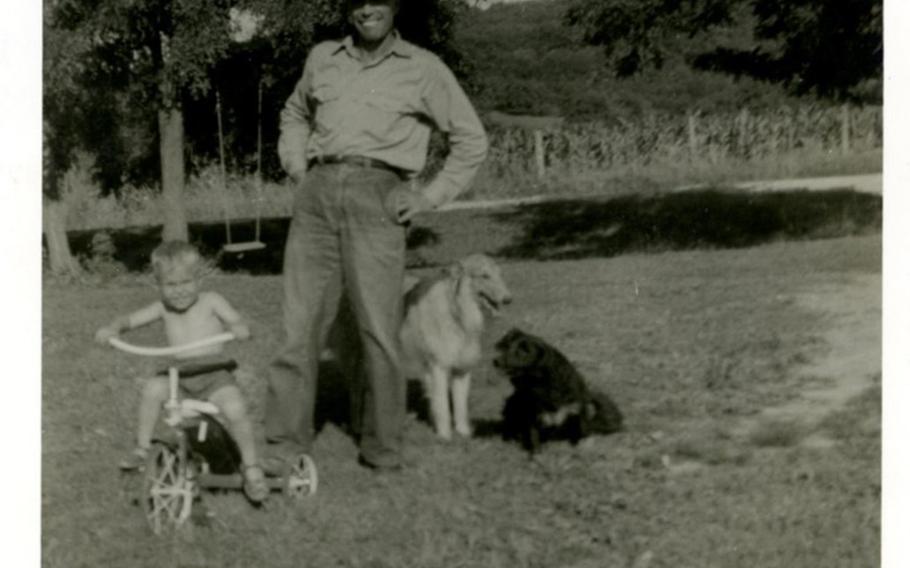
230,402
155,392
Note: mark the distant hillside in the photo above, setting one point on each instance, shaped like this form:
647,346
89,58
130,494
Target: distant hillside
524,60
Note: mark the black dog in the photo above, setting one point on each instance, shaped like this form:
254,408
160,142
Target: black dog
551,399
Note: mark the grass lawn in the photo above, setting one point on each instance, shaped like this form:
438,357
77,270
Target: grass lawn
690,343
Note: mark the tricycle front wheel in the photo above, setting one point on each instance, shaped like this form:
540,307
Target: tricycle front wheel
167,492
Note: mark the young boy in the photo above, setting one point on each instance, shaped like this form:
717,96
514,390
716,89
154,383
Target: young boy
190,315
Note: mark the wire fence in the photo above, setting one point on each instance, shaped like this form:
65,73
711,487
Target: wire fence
697,137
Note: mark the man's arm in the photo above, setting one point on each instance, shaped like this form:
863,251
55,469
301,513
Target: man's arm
139,318
295,125
449,108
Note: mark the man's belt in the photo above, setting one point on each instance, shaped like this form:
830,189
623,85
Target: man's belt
361,161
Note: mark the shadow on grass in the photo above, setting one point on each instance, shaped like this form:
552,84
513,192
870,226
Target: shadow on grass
571,228
337,402
487,428
576,228
134,245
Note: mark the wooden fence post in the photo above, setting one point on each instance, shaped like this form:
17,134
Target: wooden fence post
775,135
791,134
845,129
539,154
744,133
693,133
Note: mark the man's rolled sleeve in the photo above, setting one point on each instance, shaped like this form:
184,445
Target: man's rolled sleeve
449,108
295,125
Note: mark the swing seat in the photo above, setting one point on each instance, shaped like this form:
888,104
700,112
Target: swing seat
243,247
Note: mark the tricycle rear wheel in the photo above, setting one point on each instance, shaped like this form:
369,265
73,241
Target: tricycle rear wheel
302,479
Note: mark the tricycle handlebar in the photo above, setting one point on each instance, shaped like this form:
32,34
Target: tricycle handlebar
172,350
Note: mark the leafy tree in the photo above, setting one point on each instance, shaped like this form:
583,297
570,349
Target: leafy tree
825,47
161,52
62,99
167,55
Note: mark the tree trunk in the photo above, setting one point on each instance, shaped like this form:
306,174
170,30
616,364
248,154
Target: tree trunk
59,255
170,128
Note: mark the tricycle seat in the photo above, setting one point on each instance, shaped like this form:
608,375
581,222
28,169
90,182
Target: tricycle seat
191,368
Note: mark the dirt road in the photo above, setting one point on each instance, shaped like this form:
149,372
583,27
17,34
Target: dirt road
851,364
866,183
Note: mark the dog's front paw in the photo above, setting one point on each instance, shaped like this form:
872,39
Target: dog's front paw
444,435
464,431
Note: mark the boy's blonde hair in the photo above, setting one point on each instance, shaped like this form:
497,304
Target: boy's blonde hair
172,254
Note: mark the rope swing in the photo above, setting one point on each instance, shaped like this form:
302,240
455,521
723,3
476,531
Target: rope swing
256,244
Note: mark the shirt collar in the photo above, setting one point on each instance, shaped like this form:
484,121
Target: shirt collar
399,46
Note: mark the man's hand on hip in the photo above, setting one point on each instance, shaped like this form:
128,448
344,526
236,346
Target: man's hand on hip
297,176
410,203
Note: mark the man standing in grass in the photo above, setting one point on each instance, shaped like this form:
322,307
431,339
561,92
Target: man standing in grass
354,133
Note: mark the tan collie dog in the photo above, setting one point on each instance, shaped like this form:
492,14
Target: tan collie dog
440,337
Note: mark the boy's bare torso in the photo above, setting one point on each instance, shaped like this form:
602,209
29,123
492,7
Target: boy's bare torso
205,318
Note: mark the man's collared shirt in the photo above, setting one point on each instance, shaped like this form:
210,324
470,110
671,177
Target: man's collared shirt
383,110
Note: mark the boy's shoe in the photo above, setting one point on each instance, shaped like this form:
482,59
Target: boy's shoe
255,487
135,460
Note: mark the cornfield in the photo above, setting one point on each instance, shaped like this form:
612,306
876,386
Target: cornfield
696,138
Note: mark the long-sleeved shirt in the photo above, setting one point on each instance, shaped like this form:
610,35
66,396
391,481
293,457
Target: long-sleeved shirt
382,110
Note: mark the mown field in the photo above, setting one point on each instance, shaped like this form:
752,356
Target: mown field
694,333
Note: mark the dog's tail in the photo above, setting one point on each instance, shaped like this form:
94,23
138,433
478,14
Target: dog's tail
601,415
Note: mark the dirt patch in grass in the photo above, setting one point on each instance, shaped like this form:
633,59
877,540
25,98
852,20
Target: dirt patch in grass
849,366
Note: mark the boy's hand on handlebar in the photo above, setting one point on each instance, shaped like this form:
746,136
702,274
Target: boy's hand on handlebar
104,334
241,331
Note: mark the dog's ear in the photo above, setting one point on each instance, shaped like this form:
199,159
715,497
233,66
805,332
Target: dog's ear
454,270
521,352
475,263
591,409
540,353
508,338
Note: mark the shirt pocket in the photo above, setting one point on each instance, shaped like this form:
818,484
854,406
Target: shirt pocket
385,117
325,92
326,104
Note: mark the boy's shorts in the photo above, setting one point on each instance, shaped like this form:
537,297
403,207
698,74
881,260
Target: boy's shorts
201,377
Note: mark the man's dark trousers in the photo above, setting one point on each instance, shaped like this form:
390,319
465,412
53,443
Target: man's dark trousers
343,231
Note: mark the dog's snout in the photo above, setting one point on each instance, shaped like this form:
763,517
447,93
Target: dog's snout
507,300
